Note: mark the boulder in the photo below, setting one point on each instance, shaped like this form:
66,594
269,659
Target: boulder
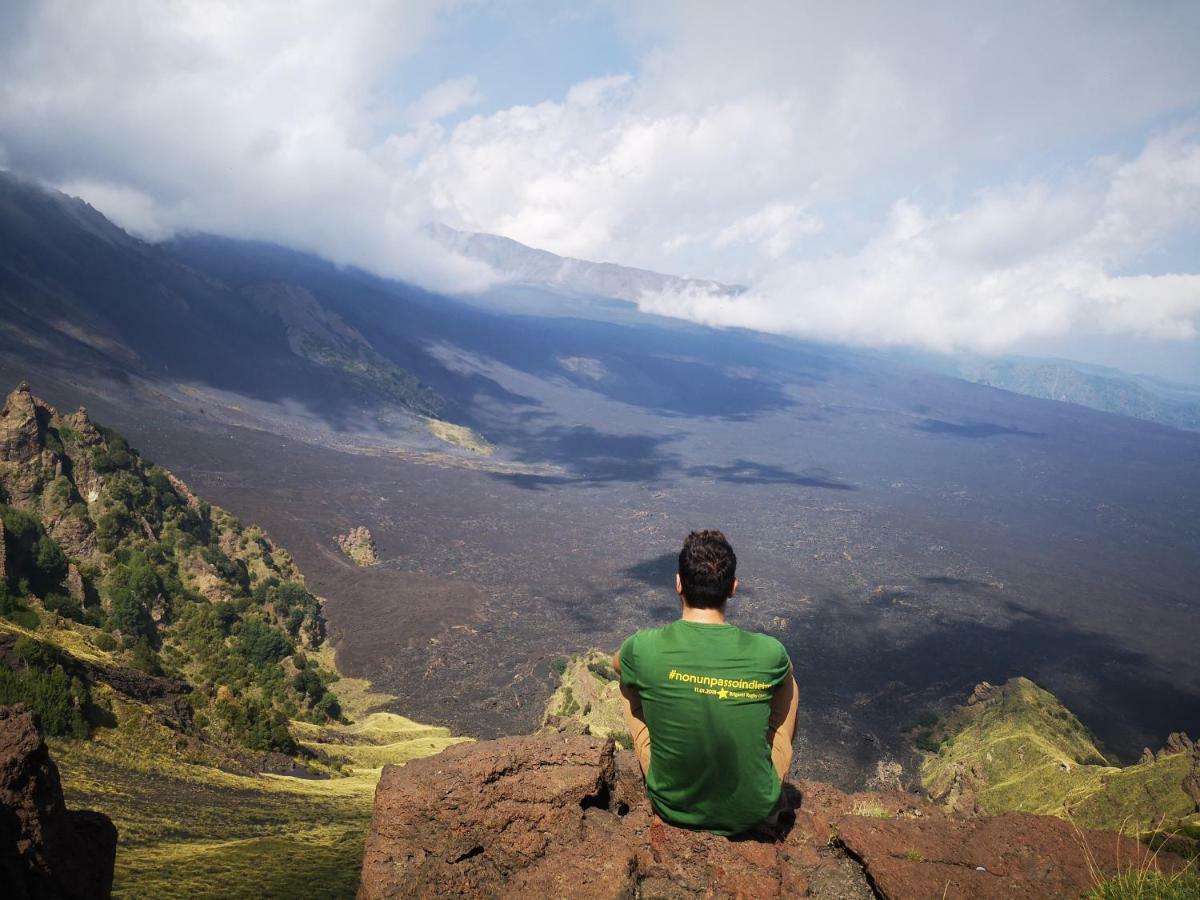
46,850
984,691
565,815
562,815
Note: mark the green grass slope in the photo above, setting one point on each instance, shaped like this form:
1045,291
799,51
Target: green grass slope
189,829
1017,748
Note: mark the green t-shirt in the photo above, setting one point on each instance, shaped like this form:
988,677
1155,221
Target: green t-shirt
706,695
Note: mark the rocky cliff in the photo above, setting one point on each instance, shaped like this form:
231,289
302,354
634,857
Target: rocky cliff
566,815
113,572
46,850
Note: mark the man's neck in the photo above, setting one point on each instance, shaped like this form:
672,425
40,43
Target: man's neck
703,616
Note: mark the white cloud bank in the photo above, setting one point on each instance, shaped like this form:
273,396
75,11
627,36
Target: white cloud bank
883,174
1019,262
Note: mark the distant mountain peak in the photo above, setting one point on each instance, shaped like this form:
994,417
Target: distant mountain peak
518,262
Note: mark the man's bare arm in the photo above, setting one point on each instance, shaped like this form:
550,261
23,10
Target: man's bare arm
635,721
781,726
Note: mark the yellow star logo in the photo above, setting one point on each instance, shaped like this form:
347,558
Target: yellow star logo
722,694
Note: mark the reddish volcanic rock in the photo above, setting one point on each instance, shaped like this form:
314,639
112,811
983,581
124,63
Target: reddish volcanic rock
562,815
565,816
1017,855
46,851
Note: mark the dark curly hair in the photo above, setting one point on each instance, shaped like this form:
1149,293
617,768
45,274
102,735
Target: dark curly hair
707,565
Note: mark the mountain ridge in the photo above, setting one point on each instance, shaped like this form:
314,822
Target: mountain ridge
518,262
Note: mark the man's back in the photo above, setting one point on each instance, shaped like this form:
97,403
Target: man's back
706,693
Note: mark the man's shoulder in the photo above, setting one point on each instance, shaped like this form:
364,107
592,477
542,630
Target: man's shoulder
644,635
763,642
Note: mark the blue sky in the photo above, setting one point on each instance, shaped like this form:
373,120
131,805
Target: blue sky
991,178
520,53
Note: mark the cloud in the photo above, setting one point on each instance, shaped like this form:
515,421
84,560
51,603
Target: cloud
441,100
886,174
247,119
1020,262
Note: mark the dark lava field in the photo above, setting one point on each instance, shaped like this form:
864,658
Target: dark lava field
904,536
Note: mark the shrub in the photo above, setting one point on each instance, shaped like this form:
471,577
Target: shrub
143,658
22,527
57,699
225,615
105,642
61,489
307,683
330,707
256,725
64,606
261,644
111,528
114,456
231,571
570,706
32,553
34,653
130,616
926,742
604,671
14,610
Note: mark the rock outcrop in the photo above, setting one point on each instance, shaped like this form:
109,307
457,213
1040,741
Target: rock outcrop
359,546
46,850
566,815
1191,781
1016,748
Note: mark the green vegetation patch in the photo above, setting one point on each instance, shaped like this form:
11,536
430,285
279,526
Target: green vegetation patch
1148,884
1037,757
460,436
590,692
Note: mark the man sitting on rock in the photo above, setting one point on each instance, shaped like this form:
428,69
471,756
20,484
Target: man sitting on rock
711,708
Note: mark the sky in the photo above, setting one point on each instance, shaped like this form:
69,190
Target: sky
996,178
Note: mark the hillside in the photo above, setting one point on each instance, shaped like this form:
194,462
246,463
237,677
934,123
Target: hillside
82,299
175,659
1016,748
1095,387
